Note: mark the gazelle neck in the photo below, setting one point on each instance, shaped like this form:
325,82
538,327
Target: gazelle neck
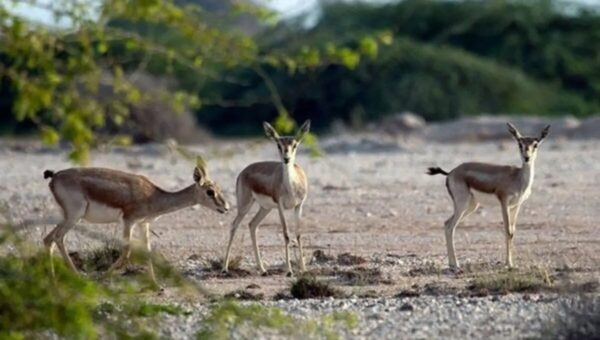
528,172
164,202
289,174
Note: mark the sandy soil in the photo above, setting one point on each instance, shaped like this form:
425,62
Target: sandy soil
368,196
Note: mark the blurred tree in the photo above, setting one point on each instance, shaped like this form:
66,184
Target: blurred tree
54,72
448,58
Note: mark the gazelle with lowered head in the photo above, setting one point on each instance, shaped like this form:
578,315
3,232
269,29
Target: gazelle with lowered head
511,185
273,185
100,195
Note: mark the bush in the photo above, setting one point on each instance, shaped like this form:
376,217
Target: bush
31,301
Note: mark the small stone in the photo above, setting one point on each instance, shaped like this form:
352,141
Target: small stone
407,307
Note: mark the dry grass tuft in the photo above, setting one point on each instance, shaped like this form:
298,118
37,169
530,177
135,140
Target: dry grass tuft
215,268
319,257
347,259
308,287
511,281
362,276
97,260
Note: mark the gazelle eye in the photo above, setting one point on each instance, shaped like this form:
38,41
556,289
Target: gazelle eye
210,192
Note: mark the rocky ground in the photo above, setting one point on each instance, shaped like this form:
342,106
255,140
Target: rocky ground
369,196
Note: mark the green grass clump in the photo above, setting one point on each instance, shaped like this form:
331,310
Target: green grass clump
251,320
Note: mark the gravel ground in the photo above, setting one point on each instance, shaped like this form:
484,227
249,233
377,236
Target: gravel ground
368,196
448,317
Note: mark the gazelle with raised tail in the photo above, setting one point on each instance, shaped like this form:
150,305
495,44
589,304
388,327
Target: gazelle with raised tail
100,195
273,185
509,184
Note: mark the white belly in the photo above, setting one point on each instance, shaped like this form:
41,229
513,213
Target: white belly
265,201
101,213
484,198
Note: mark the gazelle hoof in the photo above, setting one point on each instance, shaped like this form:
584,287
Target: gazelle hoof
289,274
264,273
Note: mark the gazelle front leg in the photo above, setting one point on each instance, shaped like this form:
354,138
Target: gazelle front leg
149,249
286,238
298,216
128,227
509,233
513,213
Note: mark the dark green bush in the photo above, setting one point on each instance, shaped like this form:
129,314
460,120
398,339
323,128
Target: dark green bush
31,301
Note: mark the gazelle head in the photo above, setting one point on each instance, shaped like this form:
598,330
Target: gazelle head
528,146
208,192
287,145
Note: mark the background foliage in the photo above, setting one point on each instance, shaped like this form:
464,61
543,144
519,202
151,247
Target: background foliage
114,71
447,59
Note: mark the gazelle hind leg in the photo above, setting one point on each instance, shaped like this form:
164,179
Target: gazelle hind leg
59,237
464,204
260,215
244,203
72,213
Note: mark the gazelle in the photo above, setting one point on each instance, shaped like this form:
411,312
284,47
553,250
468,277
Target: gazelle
511,185
280,185
100,195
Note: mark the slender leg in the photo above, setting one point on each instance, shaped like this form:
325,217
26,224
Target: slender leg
128,227
59,236
463,202
149,249
73,208
242,211
298,216
506,217
513,213
260,215
286,238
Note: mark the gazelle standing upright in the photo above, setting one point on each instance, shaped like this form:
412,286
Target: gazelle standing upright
280,185
511,185
100,195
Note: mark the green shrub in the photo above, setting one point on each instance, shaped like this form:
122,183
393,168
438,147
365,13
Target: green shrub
31,301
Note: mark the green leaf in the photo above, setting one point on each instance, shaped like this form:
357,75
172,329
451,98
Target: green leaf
49,135
368,46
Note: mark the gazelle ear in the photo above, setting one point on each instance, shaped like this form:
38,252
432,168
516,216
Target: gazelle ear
513,131
544,133
200,172
270,131
303,131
